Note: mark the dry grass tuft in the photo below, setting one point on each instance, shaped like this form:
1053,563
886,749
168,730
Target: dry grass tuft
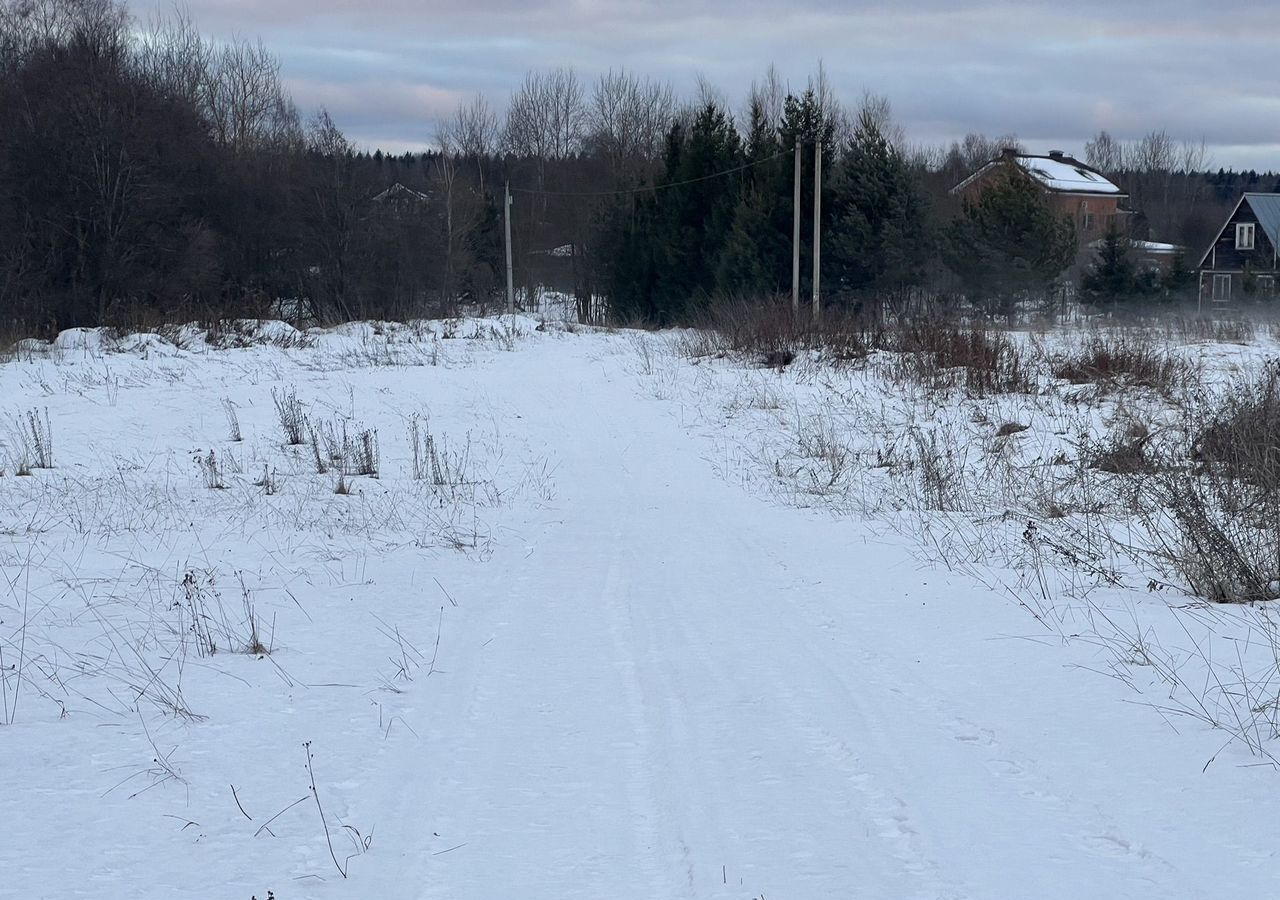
1118,360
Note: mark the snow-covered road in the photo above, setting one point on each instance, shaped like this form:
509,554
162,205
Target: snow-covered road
689,692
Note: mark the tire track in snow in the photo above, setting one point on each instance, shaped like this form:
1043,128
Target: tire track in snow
642,807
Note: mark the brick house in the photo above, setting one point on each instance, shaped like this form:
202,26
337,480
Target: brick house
1072,189
1242,259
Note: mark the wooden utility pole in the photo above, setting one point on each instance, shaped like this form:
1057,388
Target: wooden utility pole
795,241
817,228
506,216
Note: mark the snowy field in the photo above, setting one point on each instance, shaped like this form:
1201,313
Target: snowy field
548,613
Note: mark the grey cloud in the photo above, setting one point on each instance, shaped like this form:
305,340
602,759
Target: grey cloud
1050,71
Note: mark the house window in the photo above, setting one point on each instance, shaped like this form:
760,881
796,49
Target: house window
1266,284
1222,287
1086,221
1244,236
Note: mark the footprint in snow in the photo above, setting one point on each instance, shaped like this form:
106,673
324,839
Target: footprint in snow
1005,767
967,733
1039,796
1110,844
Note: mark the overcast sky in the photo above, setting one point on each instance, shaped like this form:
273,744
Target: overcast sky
1054,73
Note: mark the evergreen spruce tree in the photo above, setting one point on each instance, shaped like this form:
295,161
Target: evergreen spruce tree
879,240
486,274
1111,277
756,253
694,213
742,270
627,243
1008,245
1180,279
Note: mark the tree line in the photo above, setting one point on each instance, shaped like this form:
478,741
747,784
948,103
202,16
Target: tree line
148,174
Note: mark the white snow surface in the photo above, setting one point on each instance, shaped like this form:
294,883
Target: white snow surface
1062,176
1146,246
613,669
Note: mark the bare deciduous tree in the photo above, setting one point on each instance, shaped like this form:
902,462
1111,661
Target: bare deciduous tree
175,58
875,111
471,131
1162,177
245,98
628,120
1155,152
547,117
333,215
766,96
26,25
978,149
829,103
1105,153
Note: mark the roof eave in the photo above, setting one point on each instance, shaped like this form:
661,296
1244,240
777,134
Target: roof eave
1217,237
975,176
1082,193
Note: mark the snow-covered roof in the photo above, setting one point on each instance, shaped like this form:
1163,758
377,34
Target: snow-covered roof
563,251
1059,173
1065,174
398,191
1154,247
